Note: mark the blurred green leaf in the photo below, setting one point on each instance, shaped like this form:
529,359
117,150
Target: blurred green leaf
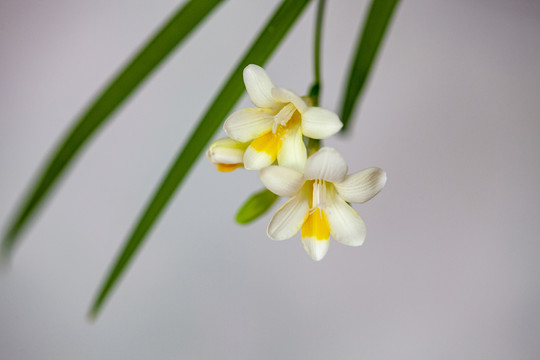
257,204
259,52
375,25
182,23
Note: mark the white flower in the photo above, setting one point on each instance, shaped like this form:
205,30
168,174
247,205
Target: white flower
226,154
319,201
274,129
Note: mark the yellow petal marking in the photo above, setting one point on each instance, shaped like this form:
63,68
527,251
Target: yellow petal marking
228,167
316,225
270,143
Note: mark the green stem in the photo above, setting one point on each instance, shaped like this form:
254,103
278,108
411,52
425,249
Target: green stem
316,87
313,145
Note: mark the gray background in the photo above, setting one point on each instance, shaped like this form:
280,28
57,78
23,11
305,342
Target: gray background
450,267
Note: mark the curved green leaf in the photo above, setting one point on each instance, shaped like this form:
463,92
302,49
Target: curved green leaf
181,24
375,25
254,207
259,52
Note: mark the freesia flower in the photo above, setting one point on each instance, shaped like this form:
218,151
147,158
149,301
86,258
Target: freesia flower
226,154
275,128
319,201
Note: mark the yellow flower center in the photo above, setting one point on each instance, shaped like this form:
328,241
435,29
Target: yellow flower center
283,116
316,224
286,120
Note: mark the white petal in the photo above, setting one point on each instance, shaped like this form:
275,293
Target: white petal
259,86
319,123
226,151
288,96
316,249
326,164
256,160
281,180
247,124
289,218
346,226
292,153
362,185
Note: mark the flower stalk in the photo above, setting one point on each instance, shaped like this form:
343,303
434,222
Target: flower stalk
316,87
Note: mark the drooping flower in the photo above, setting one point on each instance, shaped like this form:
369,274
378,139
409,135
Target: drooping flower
275,128
318,206
226,154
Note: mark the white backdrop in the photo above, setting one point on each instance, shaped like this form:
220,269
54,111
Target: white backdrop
450,267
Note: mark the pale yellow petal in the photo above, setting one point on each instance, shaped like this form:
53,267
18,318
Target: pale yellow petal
282,181
315,248
346,226
326,164
292,153
289,96
319,123
259,86
288,220
362,185
262,152
226,151
247,124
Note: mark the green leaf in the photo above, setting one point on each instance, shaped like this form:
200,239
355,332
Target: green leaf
375,25
259,52
182,23
257,204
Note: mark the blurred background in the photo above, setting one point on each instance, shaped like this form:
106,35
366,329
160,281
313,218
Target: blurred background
450,268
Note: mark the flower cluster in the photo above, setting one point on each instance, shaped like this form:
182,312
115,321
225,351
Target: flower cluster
319,186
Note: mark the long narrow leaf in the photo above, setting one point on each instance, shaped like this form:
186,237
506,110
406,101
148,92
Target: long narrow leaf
143,63
375,25
259,52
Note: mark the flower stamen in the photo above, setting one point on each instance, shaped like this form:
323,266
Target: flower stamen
283,116
318,200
